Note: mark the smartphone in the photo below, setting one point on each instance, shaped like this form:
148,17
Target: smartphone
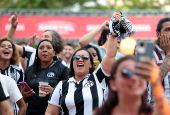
96,64
24,84
144,50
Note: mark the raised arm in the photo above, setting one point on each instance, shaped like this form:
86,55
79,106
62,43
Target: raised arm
10,34
14,22
86,39
111,50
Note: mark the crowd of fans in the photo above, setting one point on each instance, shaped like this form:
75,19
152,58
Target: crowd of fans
94,79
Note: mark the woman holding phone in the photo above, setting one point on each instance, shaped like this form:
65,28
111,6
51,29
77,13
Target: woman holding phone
46,69
128,94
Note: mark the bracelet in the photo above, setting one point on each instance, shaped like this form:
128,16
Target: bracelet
159,98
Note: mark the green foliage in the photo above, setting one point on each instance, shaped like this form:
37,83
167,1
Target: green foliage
59,4
35,4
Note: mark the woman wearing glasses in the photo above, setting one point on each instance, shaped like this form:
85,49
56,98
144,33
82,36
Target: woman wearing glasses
128,94
84,91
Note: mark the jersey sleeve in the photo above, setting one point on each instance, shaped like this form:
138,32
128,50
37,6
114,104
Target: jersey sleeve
56,95
29,54
21,74
3,91
14,92
100,74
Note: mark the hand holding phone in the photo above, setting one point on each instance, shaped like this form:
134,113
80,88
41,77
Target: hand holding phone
144,50
24,84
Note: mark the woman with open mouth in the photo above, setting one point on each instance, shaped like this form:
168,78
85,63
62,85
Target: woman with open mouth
9,59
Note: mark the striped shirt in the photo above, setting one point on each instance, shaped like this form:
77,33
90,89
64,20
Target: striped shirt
159,55
82,97
14,72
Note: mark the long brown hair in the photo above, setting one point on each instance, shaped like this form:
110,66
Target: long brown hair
113,100
15,56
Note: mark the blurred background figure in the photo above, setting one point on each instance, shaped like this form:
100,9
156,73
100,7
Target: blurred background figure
23,61
68,53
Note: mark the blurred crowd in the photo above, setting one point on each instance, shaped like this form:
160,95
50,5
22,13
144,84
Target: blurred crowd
58,78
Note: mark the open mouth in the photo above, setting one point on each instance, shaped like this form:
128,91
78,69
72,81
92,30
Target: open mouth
80,65
6,52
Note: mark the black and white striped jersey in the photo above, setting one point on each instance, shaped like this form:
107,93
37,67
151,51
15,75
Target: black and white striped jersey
3,91
80,98
14,72
29,54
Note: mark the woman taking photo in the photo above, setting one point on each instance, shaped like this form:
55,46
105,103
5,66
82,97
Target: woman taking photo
44,69
128,94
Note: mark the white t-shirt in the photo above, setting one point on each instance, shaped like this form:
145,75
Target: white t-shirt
13,92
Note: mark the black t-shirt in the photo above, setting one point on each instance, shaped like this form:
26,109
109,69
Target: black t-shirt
53,74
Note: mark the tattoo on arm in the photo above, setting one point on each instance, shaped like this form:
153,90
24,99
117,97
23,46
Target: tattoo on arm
164,67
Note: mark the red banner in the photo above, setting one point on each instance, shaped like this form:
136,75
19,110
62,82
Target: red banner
145,26
75,27
67,27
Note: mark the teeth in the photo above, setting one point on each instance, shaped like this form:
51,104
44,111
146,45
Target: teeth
134,86
80,64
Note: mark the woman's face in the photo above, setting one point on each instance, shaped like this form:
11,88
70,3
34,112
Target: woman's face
81,66
6,50
93,53
133,86
46,52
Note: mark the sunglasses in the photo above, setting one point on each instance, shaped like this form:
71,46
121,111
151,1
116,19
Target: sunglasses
126,73
83,57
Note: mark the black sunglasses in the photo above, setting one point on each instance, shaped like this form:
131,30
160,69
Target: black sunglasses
126,73
83,57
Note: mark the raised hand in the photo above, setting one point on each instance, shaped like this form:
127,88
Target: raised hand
165,43
105,25
14,20
32,40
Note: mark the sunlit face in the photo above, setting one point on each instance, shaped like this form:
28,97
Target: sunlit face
93,53
81,67
47,35
68,51
46,52
6,50
134,86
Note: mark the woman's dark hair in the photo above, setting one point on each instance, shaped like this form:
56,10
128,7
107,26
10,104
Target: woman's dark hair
103,37
71,71
57,41
15,56
113,100
36,65
97,51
